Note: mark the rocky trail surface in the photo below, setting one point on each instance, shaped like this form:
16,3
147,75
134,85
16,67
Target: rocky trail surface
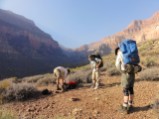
87,103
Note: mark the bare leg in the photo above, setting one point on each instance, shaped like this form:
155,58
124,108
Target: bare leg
93,79
62,84
58,83
126,98
97,79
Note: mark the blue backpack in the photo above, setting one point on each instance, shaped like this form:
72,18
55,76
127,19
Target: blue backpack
130,52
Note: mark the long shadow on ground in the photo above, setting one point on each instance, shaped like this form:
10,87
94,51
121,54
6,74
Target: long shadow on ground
138,109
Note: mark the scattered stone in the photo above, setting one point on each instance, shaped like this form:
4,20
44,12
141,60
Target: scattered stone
76,111
97,98
46,106
74,99
96,113
46,92
31,109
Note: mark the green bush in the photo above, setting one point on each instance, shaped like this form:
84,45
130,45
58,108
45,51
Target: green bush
150,74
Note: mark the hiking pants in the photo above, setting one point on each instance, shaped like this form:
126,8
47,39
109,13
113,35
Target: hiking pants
95,77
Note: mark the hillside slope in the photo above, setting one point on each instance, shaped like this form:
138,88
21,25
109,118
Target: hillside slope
96,104
93,104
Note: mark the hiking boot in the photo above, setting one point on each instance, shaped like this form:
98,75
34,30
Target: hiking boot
130,108
123,110
58,88
63,88
96,87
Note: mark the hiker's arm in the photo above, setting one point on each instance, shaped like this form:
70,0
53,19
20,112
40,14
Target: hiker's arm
118,63
99,62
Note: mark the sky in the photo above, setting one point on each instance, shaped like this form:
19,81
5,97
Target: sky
78,22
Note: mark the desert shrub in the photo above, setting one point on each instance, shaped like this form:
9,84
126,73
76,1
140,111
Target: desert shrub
109,62
32,79
82,76
46,81
86,67
150,74
20,92
112,71
4,84
40,80
16,80
150,62
6,115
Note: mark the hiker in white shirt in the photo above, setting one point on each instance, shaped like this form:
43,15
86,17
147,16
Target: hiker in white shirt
95,63
61,73
127,82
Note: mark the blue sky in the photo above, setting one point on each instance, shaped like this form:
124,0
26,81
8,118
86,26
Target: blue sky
77,22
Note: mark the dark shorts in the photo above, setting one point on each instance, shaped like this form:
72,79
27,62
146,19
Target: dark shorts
127,80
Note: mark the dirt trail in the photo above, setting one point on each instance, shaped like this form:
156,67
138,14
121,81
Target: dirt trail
92,104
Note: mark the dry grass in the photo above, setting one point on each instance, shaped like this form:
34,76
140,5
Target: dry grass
149,53
5,114
62,117
4,84
113,71
32,79
156,106
40,80
20,92
150,74
81,76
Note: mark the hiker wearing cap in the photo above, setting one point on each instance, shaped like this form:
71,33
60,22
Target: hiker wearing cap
61,73
127,63
96,63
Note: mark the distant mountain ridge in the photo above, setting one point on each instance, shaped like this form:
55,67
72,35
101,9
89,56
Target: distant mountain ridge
139,30
25,49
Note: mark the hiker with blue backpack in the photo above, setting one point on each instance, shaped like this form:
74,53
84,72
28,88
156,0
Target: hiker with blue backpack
127,60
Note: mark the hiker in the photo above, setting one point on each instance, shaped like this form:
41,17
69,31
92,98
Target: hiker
128,66
61,73
96,63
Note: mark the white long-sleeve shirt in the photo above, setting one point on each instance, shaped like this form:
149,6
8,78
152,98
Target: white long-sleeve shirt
94,63
119,61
